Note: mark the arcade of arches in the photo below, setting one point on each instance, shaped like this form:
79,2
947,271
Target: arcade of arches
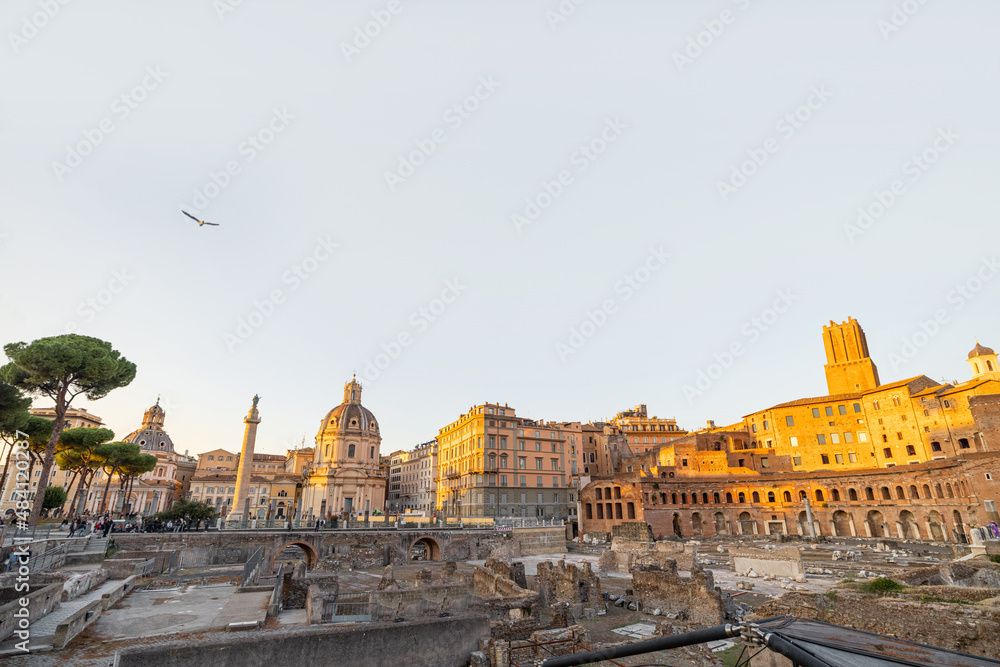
937,500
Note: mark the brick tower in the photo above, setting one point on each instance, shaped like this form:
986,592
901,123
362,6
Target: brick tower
848,367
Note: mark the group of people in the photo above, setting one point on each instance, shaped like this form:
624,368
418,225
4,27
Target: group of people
81,527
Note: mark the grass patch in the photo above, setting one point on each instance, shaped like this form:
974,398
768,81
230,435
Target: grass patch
931,598
730,655
881,586
994,558
847,581
830,595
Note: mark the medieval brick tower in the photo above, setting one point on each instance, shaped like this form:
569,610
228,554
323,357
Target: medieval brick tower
848,367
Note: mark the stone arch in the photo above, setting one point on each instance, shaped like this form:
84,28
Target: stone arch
959,525
875,521
696,523
677,525
936,523
747,523
804,522
842,523
312,556
910,529
427,544
720,524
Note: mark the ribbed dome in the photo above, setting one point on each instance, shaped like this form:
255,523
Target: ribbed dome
980,350
151,436
350,416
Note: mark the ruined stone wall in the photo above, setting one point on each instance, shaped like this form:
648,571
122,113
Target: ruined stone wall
562,583
968,628
535,541
425,601
783,562
635,531
694,599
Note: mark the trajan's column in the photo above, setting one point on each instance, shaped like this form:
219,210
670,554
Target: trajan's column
243,476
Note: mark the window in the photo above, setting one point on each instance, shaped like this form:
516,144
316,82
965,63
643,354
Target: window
963,443
947,404
839,458
862,436
797,460
848,436
835,438
539,483
770,496
684,462
885,438
766,425
820,439
793,441
350,451
756,497
887,452
538,463
819,495
816,413
829,411
857,407
911,450
852,457
764,463
522,462
211,458
753,427
824,458
899,435
503,481
523,481
739,463
555,483
538,446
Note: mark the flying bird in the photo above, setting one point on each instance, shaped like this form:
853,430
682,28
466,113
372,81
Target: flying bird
200,222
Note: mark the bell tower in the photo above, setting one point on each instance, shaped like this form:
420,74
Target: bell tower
983,362
849,369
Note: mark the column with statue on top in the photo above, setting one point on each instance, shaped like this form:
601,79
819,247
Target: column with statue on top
245,473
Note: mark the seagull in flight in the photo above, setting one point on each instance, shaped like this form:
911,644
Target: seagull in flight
200,222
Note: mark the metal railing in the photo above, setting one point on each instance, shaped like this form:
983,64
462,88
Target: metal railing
144,568
351,607
503,523
252,566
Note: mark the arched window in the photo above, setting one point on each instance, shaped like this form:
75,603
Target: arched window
819,495
597,496
885,493
899,493
704,498
715,498
770,496
835,495
927,491
788,497
913,492
802,495
673,498
684,499
852,494
742,497
869,493
729,498
989,365
756,497
937,491
947,487
350,451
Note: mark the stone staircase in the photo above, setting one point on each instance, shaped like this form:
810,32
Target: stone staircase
87,551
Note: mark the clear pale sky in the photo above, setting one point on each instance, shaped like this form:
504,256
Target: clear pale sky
831,99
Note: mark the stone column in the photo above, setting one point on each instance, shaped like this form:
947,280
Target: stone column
854,531
899,530
243,475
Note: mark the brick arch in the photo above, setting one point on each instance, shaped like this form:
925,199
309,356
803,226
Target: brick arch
433,547
312,556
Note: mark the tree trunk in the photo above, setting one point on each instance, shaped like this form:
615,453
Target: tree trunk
76,474
6,467
104,496
50,452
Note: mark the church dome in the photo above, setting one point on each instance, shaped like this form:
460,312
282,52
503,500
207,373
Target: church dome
350,416
150,436
980,351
